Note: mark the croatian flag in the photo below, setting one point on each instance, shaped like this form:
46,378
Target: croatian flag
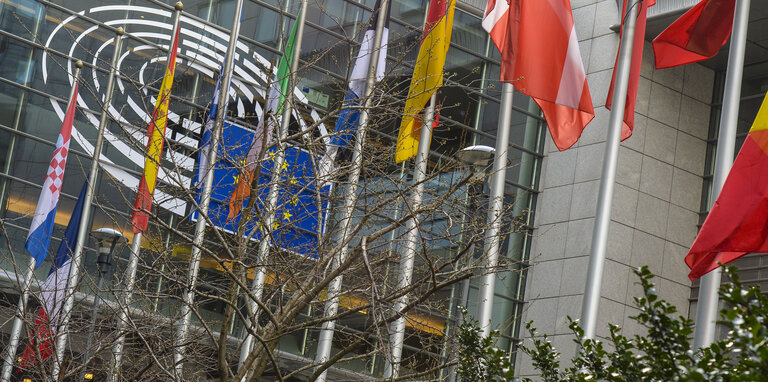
347,123
205,141
52,292
39,237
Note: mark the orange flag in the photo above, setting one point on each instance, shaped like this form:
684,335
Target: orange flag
738,221
156,135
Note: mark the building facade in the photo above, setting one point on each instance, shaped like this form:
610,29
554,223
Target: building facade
662,191
40,43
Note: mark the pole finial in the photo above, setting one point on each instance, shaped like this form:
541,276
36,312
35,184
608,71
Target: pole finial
120,31
79,64
179,6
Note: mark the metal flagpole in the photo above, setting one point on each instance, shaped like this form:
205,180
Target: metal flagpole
18,321
133,260
82,230
495,208
706,308
260,273
590,305
334,289
205,198
397,336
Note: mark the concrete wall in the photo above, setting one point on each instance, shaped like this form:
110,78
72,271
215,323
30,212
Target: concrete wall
657,195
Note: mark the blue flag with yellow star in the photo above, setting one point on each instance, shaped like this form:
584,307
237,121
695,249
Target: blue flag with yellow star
301,207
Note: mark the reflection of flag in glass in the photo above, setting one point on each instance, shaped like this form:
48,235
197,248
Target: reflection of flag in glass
697,35
634,70
736,225
276,94
53,290
427,75
540,56
40,230
205,141
348,117
156,135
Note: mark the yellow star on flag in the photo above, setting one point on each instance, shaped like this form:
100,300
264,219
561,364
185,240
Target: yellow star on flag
287,216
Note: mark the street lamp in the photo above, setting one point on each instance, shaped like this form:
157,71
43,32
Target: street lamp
107,240
476,159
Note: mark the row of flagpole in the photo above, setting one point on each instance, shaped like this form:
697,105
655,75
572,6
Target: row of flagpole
705,327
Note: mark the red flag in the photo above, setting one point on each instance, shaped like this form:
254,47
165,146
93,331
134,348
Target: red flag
696,36
737,223
540,56
634,70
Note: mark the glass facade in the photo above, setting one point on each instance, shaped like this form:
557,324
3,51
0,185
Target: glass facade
41,40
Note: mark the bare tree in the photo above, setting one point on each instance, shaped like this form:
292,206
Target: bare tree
289,312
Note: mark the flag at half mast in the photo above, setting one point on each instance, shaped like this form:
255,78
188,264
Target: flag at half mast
273,110
540,56
738,222
427,75
156,135
346,124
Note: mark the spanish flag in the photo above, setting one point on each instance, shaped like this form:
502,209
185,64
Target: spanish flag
156,135
738,222
427,75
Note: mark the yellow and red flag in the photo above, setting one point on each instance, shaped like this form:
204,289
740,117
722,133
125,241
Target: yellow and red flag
156,135
738,222
427,75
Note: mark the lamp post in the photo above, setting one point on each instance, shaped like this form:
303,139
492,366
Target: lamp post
476,159
107,239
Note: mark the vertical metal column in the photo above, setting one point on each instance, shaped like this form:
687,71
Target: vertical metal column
205,199
594,282
334,289
260,274
392,369
18,321
706,309
82,230
495,208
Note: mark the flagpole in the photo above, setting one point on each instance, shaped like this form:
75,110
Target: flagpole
82,231
133,260
591,303
334,289
706,308
495,208
205,198
18,321
260,273
392,369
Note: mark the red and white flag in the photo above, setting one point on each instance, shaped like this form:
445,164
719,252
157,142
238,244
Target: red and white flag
634,69
540,56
